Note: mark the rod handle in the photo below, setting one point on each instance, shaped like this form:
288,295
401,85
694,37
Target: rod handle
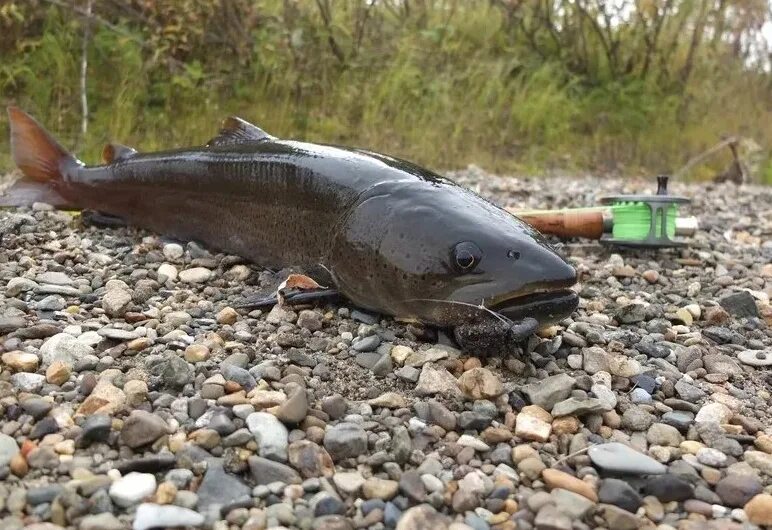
566,224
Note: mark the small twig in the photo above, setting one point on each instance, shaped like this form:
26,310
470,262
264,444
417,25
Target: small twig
702,156
575,453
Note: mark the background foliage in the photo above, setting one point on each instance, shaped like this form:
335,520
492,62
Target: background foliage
609,85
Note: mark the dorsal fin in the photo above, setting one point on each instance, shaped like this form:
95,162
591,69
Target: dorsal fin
234,131
114,152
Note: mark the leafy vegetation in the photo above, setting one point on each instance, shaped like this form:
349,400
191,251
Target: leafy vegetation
624,86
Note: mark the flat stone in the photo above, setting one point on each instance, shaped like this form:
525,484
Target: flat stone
436,380
572,504
150,516
578,407
618,458
219,488
759,358
270,434
266,471
547,392
195,275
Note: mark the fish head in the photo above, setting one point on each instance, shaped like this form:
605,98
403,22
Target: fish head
439,254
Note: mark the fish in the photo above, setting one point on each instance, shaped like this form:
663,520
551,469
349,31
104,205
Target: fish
395,238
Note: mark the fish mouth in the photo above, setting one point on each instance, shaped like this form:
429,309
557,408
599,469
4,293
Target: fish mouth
546,306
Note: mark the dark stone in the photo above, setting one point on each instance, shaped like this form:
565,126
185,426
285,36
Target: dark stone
231,372
736,490
722,335
96,428
197,407
170,370
644,381
391,514
219,489
372,504
36,407
680,419
43,427
265,471
619,493
473,420
412,486
43,494
741,305
669,488
151,463
329,505
658,351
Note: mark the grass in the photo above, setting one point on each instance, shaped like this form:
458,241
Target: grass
445,96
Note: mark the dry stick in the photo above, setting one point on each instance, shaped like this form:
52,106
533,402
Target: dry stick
699,158
84,70
575,453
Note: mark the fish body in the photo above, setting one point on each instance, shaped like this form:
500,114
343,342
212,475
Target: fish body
394,237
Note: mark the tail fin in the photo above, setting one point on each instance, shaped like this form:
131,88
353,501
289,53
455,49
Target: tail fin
34,150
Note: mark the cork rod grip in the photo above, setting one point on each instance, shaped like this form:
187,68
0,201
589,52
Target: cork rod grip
566,224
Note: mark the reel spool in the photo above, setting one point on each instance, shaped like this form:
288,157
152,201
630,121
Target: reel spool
648,220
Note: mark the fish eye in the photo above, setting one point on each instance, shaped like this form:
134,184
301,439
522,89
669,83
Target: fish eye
513,254
466,255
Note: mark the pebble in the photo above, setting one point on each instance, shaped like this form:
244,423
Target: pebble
436,380
131,489
270,434
345,440
195,275
150,516
759,509
480,383
117,366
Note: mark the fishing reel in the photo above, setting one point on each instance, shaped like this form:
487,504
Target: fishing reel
647,220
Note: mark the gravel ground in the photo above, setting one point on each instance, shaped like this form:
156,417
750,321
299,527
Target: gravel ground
133,395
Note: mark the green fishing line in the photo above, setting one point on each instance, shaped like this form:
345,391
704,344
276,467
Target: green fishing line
632,221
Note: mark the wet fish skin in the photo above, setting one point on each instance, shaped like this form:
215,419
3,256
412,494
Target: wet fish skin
395,237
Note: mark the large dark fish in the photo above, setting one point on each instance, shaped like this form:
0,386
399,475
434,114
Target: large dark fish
394,237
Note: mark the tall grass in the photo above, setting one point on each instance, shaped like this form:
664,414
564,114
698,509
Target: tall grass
447,89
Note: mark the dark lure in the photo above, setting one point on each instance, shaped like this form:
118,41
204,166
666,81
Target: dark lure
394,237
